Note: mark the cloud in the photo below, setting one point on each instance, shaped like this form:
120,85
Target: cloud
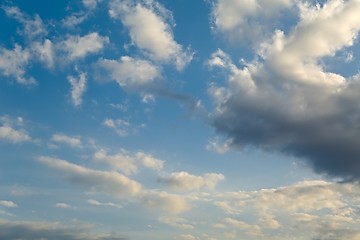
13,63
176,222
120,126
129,163
286,101
183,181
313,207
32,28
78,87
63,205
9,131
43,230
219,146
91,4
130,73
8,204
244,19
109,182
149,30
71,141
166,202
45,52
77,47
108,204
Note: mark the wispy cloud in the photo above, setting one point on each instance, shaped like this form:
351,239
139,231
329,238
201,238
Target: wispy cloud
72,141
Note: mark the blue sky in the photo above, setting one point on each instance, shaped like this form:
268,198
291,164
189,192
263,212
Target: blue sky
185,120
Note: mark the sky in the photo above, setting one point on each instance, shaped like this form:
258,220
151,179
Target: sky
183,120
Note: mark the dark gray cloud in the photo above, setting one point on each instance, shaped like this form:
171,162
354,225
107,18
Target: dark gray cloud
40,230
286,100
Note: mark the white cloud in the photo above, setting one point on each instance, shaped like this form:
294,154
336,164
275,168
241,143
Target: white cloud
8,204
72,141
312,207
247,19
33,28
9,131
78,87
63,205
13,63
120,126
176,222
77,47
149,30
110,182
45,52
91,4
187,237
184,181
166,202
129,163
121,161
131,73
108,204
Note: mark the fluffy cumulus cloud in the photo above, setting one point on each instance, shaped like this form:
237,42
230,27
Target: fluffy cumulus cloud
247,19
109,182
44,230
165,202
286,100
147,22
78,87
77,47
183,181
131,73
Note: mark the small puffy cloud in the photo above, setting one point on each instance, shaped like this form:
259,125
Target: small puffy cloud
129,163
149,30
43,230
91,4
108,204
219,146
63,205
10,131
45,52
13,64
176,222
130,73
183,181
78,87
77,47
110,182
72,141
120,126
8,204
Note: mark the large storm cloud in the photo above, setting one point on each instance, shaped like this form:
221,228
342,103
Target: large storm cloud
287,100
